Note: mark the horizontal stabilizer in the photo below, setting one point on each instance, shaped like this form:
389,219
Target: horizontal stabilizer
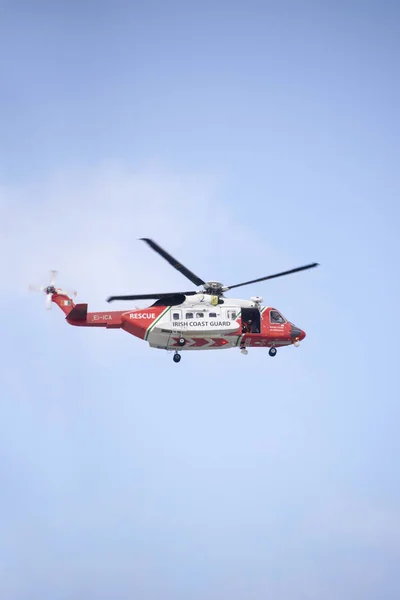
78,313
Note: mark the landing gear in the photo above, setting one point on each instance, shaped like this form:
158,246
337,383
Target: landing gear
244,351
272,351
181,341
177,357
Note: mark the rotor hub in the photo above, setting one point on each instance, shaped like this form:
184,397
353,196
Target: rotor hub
214,287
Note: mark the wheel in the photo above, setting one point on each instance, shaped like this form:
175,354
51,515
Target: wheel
272,351
181,341
177,357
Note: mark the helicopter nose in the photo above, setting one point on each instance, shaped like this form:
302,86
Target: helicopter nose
297,334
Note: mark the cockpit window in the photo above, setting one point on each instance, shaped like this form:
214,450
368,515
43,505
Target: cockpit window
276,317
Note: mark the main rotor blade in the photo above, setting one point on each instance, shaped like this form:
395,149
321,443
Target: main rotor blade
150,296
310,266
172,261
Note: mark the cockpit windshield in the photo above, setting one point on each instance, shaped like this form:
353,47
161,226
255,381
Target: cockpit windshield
276,317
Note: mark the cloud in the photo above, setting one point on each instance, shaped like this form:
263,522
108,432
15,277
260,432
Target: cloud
86,225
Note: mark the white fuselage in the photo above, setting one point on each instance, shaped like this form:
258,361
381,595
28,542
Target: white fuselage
202,321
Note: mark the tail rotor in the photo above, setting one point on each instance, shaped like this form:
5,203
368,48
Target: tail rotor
53,275
49,296
50,289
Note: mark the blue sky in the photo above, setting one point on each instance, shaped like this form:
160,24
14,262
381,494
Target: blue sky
245,138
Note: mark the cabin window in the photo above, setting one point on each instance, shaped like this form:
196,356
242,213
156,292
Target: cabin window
200,315
232,315
276,317
212,315
189,315
176,316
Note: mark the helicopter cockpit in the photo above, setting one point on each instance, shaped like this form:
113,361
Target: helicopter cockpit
276,318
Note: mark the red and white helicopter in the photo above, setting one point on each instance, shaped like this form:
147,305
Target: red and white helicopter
193,320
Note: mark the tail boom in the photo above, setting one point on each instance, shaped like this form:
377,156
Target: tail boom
78,315
81,318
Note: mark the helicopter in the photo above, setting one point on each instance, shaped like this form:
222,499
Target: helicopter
202,319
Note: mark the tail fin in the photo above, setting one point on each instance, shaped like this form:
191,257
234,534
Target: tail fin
78,314
62,300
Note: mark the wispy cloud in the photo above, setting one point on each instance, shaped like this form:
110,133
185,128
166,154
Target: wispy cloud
85,224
